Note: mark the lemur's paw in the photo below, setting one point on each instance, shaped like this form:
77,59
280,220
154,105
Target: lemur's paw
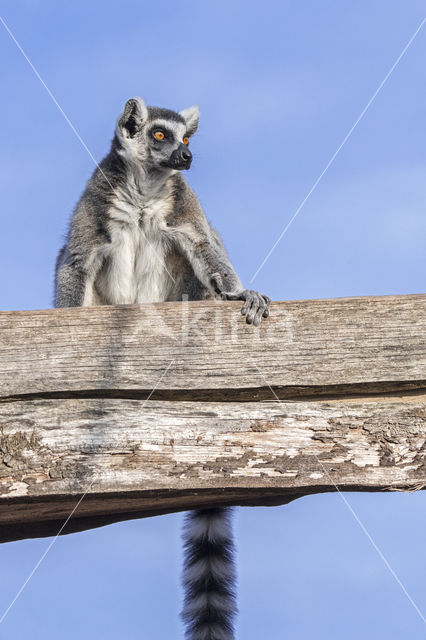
256,305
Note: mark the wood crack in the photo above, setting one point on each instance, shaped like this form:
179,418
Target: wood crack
77,412
365,390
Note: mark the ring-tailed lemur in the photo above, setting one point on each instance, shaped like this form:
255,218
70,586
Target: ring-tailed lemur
138,234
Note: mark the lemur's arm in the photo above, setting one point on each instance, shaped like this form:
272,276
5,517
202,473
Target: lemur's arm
204,249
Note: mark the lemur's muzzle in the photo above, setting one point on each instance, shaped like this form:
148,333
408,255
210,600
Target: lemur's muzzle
181,158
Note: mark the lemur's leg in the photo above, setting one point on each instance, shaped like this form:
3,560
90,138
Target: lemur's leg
74,283
73,288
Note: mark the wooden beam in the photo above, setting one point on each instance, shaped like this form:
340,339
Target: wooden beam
326,395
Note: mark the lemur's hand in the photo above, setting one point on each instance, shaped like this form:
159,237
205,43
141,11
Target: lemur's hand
256,305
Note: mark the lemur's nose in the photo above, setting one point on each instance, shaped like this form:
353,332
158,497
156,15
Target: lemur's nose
186,154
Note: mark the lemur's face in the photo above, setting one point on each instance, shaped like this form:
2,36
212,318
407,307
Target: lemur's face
158,137
168,140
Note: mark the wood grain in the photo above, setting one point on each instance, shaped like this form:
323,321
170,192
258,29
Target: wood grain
78,415
375,343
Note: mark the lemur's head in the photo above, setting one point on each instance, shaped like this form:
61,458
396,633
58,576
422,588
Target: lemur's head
157,137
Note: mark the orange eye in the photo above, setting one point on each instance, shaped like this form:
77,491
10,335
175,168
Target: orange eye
159,135
186,140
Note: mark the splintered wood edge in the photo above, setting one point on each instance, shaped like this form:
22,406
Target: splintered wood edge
132,458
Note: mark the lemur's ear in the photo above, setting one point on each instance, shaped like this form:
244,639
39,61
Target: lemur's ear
191,117
133,117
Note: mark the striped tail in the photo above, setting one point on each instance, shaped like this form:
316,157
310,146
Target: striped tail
209,575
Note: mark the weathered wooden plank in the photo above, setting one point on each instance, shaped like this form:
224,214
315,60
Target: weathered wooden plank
137,458
73,420
320,346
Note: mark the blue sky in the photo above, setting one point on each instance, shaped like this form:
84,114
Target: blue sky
279,85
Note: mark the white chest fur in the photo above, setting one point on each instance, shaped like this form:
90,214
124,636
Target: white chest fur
135,270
